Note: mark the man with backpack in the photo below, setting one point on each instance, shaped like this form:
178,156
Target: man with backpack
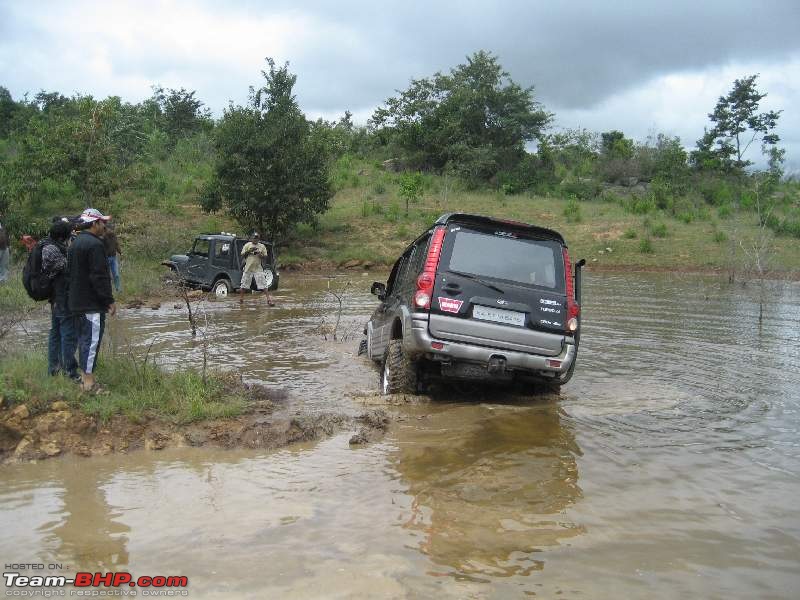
5,253
90,296
62,340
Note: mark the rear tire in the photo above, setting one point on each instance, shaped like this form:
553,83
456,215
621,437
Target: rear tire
399,373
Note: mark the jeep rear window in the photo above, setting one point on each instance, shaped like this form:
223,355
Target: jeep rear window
529,262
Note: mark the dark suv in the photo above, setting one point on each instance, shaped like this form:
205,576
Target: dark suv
215,263
477,298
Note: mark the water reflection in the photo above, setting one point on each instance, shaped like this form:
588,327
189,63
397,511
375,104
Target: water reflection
89,536
489,486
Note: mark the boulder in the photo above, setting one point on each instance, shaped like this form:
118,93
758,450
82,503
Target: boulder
20,412
51,448
393,165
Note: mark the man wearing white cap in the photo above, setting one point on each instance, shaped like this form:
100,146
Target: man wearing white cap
90,296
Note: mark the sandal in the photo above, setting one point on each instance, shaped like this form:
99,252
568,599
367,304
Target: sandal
95,390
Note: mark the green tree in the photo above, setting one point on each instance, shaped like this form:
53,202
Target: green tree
271,172
614,145
475,118
178,113
410,188
737,124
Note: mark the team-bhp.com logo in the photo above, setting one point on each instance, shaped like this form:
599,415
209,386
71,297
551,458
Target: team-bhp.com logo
122,584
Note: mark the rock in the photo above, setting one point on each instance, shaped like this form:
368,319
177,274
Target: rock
20,412
134,304
359,438
23,447
156,440
60,405
51,448
601,251
155,305
594,260
195,294
609,250
629,181
350,264
393,165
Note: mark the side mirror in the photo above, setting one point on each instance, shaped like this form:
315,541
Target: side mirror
378,289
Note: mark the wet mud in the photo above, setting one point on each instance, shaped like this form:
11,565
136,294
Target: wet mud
267,424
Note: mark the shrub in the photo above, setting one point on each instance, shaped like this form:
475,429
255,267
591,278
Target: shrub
687,217
572,211
720,236
646,246
724,211
582,188
393,212
630,234
659,230
638,205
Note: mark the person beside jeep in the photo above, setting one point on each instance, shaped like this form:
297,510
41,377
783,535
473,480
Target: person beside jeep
253,251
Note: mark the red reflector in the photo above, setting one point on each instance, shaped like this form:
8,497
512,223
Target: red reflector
553,363
437,345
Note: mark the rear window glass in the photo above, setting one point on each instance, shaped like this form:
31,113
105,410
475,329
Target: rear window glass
530,262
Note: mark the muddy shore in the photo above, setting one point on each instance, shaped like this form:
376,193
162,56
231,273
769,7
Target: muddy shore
266,424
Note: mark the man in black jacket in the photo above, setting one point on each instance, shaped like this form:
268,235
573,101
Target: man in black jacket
90,296
61,343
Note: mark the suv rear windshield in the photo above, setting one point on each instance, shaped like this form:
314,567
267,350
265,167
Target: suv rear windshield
529,262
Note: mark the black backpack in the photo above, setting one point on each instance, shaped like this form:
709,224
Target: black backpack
38,285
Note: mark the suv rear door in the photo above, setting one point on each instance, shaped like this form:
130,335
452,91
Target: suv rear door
500,287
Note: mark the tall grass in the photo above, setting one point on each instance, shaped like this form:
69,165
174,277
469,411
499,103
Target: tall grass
135,388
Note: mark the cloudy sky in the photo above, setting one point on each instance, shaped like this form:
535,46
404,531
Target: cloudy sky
638,66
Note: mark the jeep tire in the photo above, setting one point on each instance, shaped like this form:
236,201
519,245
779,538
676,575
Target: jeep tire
399,373
221,288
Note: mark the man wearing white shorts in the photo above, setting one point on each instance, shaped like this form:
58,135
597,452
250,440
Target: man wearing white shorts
252,253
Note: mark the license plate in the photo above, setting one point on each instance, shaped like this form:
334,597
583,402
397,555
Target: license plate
507,317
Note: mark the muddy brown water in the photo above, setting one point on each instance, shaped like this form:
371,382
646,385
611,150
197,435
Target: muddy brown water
669,467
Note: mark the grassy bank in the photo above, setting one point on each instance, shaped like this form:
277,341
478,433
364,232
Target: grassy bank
368,222
133,389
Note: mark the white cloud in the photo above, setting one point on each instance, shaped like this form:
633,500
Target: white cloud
679,103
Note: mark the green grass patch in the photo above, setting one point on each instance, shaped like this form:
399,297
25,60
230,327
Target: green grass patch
134,389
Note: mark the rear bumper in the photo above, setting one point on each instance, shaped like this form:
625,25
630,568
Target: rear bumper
420,340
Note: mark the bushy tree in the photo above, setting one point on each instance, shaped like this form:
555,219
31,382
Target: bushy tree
178,113
737,125
475,119
271,172
616,157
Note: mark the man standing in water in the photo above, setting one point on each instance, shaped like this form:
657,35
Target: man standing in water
253,252
90,296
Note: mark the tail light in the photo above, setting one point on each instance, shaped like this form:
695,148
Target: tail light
422,297
573,310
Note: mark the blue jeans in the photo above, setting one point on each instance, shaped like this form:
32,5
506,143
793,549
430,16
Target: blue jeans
61,345
113,266
90,328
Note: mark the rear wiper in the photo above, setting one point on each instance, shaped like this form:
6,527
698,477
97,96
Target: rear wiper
478,279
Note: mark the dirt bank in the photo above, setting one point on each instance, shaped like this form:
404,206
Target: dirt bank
266,424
